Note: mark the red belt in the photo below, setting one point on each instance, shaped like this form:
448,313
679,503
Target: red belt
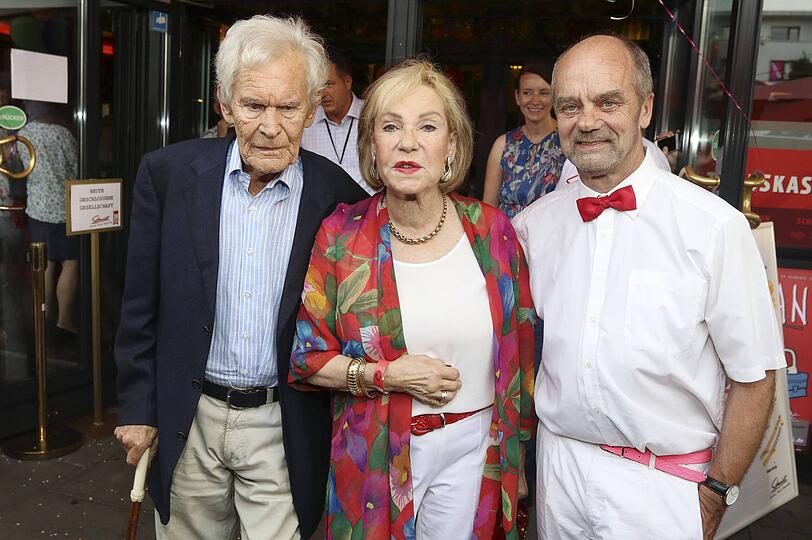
672,464
426,423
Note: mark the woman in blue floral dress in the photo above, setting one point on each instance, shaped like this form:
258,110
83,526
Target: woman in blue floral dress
525,163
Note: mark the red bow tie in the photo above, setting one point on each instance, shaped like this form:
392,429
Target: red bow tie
622,200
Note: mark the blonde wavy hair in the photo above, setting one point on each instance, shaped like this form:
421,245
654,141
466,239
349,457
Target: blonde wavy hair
391,87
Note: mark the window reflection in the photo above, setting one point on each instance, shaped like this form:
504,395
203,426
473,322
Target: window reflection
51,129
357,28
483,46
781,140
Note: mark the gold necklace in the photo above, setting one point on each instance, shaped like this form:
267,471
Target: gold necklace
422,239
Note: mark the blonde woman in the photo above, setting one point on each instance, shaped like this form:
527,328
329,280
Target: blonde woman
416,312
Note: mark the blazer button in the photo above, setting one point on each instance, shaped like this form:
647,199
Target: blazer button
206,329
181,436
196,384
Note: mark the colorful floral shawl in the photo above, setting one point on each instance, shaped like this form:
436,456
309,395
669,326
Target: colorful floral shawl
350,307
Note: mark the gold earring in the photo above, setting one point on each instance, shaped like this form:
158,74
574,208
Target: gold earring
446,171
374,172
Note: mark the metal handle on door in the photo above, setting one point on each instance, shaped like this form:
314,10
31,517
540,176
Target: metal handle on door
707,182
32,159
752,181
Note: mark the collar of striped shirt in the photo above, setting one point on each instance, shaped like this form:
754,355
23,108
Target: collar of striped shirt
236,174
354,112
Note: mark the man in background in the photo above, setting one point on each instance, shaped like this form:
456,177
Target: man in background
334,132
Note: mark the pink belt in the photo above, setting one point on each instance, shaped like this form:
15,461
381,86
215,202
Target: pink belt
672,464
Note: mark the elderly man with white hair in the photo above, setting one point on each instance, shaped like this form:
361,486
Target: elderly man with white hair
221,234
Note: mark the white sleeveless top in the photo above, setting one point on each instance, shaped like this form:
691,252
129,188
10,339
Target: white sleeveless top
446,315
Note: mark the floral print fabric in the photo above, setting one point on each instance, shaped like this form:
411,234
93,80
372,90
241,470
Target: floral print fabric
350,307
57,158
529,170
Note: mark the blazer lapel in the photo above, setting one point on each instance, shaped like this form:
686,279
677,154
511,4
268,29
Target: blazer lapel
317,196
203,198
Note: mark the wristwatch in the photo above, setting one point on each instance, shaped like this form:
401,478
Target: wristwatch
729,494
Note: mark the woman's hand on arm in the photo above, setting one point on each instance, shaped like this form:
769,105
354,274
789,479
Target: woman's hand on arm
493,173
422,377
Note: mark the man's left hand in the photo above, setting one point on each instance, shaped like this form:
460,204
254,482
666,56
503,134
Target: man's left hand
712,509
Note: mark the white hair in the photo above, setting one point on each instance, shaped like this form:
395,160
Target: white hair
252,42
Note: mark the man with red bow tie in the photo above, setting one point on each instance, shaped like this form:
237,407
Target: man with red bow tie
653,295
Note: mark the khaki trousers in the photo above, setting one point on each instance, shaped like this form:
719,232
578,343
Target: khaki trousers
231,476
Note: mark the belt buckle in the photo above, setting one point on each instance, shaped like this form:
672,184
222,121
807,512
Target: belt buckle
442,420
241,391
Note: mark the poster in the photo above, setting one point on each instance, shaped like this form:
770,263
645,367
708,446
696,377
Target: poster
785,197
795,293
39,77
772,479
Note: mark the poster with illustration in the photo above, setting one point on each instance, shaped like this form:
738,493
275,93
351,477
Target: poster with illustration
795,299
771,480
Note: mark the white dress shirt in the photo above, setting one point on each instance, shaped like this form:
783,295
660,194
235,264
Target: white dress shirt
338,142
645,312
569,173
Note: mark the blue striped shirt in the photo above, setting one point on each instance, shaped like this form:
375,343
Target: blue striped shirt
256,236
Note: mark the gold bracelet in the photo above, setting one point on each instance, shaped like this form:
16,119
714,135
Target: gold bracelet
362,382
356,383
352,377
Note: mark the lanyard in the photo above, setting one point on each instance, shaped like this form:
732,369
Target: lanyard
346,140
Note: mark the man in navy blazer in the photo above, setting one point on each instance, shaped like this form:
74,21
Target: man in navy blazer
221,233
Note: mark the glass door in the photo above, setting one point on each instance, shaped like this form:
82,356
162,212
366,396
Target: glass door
34,205
708,115
114,111
717,69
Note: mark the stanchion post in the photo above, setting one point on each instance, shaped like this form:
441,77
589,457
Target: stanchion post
95,279
45,442
38,264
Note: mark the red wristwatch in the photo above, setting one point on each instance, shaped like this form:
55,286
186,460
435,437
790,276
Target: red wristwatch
378,376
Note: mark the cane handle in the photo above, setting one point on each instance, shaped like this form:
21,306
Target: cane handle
137,493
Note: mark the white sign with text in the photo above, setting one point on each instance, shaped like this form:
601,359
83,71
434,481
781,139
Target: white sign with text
93,205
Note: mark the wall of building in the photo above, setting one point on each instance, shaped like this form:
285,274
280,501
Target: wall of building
772,50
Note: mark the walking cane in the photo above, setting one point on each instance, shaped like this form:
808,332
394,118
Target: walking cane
137,493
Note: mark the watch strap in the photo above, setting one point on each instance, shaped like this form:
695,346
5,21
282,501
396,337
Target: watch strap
378,376
717,487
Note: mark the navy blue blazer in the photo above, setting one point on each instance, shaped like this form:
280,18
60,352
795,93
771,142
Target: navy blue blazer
168,307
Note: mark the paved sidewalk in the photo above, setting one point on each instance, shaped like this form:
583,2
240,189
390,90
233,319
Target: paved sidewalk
82,496
86,496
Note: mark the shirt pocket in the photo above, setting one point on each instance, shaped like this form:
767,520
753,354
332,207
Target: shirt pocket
663,311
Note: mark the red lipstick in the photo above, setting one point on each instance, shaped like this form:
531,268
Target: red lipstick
407,167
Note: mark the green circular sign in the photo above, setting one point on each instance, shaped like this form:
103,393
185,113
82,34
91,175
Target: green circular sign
714,145
12,118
